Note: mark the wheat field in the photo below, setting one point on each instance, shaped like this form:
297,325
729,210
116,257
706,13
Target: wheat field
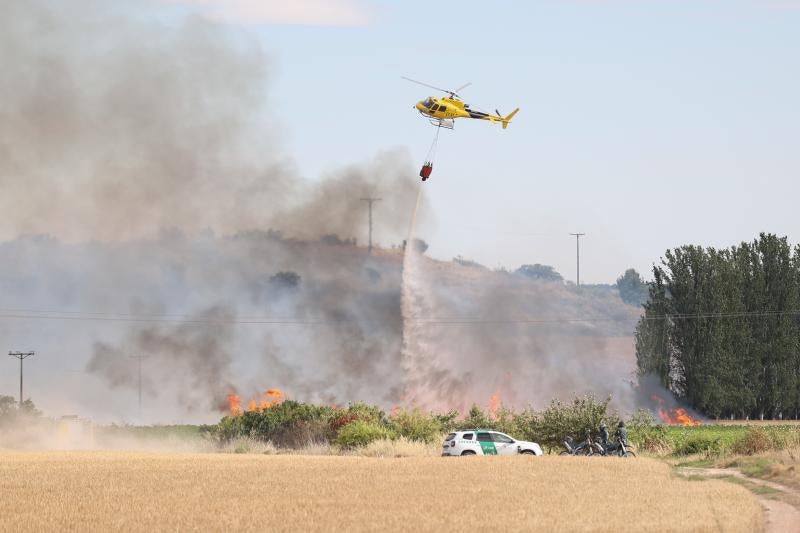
102,491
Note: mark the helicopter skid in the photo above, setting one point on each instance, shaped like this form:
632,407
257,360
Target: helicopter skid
446,123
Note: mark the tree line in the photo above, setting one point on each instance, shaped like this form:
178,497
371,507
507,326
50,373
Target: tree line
721,328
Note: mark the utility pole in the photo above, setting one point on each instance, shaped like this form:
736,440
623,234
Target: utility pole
370,201
578,244
21,356
139,358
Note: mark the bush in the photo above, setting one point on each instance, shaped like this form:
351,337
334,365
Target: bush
13,413
526,424
578,419
476,419
288,423
417,425
540,272
756,440
361,433
646,434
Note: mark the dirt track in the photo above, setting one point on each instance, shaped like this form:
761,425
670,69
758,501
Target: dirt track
780,516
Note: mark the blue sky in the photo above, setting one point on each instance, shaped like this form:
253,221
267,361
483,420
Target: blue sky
646,124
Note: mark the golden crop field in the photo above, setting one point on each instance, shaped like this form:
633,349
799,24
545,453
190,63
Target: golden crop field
103,491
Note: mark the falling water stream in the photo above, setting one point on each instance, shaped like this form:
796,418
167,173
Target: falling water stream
415,305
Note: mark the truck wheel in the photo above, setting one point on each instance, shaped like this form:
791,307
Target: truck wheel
527,452
467,452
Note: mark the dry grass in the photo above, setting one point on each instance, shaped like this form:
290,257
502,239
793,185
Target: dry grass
247,445
401,447
781,467
383,448
103,491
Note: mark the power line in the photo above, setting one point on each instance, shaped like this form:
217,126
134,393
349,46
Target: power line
21,356
185,319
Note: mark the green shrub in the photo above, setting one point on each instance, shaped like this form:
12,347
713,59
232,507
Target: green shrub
475,419
448,420
366,412
642,420
286,424
355,411
229,428
756,440
416,425
526,425
577,419
361,433
645,433
507,421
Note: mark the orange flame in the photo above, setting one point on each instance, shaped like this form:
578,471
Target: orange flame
234,405
494,404
678,416
395,410
270,398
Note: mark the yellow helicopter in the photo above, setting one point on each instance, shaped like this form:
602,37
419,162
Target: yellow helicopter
443,111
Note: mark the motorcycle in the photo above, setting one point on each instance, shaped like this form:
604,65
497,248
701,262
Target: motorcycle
620,449
587,447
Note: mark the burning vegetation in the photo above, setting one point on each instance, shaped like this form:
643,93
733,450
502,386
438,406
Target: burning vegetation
677,416
270,398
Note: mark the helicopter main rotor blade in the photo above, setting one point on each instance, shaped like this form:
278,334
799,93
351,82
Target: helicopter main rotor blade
428,85
463,87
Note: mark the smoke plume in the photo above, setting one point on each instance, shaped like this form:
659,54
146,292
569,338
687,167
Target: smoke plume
139,146
142,144
117,124
471,335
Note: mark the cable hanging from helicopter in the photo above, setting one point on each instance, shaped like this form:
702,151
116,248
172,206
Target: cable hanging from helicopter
427,167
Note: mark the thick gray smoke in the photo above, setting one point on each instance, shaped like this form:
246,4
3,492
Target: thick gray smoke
146,134
142,146
192,358
115,125
473,335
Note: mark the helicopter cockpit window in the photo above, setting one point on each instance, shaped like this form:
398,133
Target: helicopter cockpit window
428,102
435,107
443,109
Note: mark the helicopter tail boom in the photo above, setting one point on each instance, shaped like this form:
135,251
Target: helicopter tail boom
507,120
